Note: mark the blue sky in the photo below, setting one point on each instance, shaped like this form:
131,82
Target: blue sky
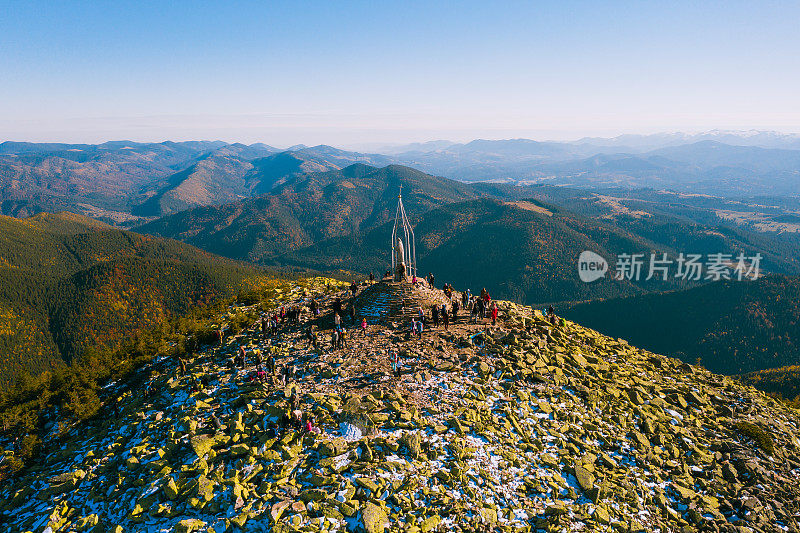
359,72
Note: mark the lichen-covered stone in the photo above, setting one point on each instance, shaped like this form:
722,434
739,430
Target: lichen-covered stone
189,525
374,518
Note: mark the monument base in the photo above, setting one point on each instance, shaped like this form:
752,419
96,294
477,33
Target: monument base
400,272
386,300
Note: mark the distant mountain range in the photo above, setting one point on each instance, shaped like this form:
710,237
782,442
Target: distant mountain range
124,182
761,139
708,167
633,142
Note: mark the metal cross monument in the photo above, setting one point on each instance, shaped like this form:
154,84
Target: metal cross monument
404,253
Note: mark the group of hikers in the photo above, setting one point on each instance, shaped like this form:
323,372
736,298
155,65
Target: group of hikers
263,367
477,308
340,333
295,418
290,315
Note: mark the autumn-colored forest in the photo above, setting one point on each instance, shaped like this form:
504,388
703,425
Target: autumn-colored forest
68,283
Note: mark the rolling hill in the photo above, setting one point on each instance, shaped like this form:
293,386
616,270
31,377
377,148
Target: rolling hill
220,179
83,178
122,181
212,180
68,283
527,250
517,250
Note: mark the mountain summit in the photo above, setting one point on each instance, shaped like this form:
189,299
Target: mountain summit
533,423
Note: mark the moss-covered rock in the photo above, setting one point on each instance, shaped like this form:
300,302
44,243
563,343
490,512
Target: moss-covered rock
189,525
373,518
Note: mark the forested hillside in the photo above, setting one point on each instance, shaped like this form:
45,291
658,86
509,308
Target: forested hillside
783,382
68,283
731,327
307,210
515,252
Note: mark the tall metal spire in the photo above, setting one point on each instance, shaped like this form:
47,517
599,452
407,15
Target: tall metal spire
403,245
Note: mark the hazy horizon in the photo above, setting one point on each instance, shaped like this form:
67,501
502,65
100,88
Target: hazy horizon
368,145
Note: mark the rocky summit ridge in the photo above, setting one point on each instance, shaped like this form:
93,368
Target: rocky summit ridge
524,426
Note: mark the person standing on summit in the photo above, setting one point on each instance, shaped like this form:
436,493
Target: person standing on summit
242,357
310,336
486,300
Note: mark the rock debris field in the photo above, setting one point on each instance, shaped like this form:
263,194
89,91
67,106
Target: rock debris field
524,426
